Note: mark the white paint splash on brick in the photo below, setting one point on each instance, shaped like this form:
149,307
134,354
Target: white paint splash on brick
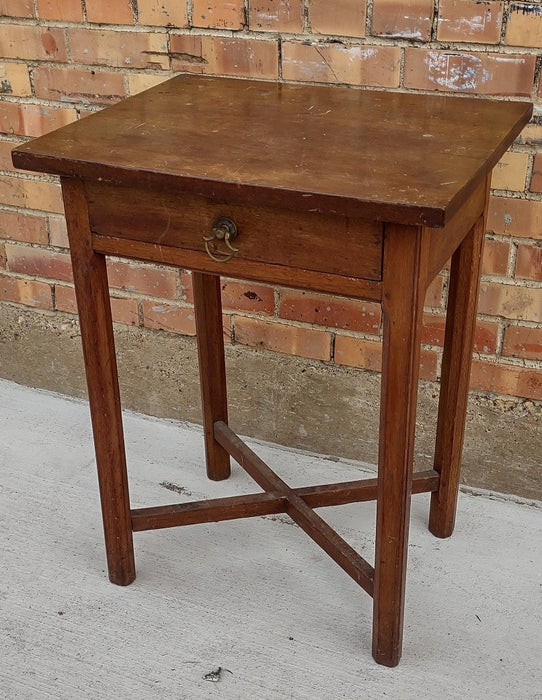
456,72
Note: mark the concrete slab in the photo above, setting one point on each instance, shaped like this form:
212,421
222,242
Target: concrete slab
254,598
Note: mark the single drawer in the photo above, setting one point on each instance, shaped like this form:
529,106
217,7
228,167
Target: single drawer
301,240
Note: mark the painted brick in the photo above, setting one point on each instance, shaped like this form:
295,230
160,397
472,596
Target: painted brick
162,13
137,82
27,292
529,262
276,15
107,12
486,333
225,55
470,20
165,317
412,19
375,66
27,228
304,342
142,279
78,85
335,312
122,310
367,354
14,80
119,49
31,194
39,262
29,42
17,8
510,172
342,17
515,217
536,179
58,231
520,341
518,303
524,27
33,120
506,379
495,257
220,14
482,73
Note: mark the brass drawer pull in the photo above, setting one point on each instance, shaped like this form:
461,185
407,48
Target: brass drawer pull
224,229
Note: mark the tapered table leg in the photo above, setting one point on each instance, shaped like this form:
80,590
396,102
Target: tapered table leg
212,369
404,286
90,277
454,383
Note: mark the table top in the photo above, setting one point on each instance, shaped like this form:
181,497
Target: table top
388,156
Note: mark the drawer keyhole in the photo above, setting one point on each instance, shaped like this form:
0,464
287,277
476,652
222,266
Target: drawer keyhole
225,230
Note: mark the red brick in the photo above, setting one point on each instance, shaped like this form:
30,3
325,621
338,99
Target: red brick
78,84
529,262
485,335
119,49
58,232
340,18
220,14
164,317
33,120
276,15
470,20
459,71
510,172
39,262
2,256
374,66
536,179
292,340
225,55
27,292
107,12
162,13
62,10
31,194
237,296
411,19
33,43
5,156
495,259
506,379
122,310
520,341
14,80
524,27
367,354
17,8
27,228
142,279
515,217
519,303
335,312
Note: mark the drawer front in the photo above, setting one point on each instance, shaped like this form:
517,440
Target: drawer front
310,241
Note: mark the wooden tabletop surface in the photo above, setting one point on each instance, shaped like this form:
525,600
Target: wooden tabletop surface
400,157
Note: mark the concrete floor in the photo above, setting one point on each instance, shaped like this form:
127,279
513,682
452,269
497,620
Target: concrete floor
255,598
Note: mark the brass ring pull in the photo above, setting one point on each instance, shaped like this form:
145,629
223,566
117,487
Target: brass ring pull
224,229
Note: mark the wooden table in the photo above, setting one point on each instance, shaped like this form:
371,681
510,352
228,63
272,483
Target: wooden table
356,193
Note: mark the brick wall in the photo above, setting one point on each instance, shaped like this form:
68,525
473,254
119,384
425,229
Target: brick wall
61,59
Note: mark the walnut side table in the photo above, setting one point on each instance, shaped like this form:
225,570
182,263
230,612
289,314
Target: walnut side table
357,193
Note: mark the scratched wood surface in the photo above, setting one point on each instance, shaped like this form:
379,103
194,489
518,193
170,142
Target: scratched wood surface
399,157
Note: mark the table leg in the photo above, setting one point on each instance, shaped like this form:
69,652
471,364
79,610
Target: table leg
403,294
91,288
454,383
212,369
